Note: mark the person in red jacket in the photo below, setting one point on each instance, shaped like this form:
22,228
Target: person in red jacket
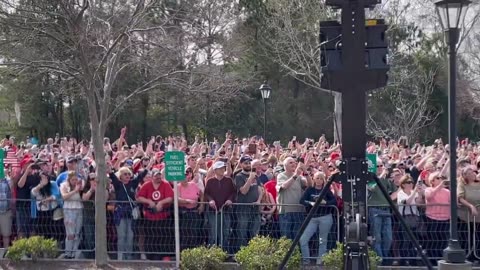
270,186
157,196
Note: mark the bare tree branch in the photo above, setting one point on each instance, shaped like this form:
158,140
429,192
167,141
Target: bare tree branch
407,98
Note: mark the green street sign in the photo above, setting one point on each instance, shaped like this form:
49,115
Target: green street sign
175,166
372,163
2,166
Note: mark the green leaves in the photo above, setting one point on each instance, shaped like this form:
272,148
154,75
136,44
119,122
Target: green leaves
265,253
333,260
203,258
36,247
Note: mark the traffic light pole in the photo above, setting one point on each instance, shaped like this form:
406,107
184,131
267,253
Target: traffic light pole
353,65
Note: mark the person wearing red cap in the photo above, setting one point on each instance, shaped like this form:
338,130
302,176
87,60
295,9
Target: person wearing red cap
334,156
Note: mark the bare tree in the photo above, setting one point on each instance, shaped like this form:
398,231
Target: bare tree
209,46
291,39
406,104
91,42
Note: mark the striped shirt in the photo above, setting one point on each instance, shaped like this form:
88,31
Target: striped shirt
11,160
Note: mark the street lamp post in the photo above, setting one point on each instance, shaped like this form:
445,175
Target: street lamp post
451,13
265,90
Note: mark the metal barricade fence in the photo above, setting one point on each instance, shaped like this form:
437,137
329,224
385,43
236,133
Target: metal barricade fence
70,223
474,238
391,242
151,236
241,222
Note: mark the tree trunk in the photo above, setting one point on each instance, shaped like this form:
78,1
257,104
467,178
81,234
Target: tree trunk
97,128
145,117
185,130
101,253
61,115
74,121
337,121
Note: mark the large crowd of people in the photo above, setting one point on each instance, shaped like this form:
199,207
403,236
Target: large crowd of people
234,190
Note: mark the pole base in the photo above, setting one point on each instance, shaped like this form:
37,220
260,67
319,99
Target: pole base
454,253
443,265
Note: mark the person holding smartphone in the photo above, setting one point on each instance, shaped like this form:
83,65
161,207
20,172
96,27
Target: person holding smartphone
249,195
290,185
437,210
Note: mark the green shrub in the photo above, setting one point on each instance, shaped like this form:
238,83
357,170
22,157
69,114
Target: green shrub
36,247
203,258
265,253
333,260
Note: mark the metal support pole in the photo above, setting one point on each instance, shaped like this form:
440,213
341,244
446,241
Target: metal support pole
264,119
453,253
315,206
407,229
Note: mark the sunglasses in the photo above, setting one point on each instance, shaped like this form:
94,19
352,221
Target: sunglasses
409,182
379,166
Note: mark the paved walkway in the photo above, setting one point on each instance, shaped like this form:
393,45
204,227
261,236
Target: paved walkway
135,265
83,265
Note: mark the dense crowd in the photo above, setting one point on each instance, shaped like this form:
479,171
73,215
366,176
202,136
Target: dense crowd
234,190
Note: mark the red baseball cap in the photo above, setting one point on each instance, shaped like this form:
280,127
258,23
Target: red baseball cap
25,161
159,166
334,156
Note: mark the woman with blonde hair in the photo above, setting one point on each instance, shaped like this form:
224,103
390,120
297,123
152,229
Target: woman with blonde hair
126,210
437,210
322,220
73,213
468,192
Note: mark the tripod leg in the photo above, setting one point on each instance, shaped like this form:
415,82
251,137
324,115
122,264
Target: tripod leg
356,260
404,225
320,198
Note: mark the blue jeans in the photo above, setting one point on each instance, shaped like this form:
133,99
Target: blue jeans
216,230
89,235
23,219
380,221
73,219
248,223
290,224
125,238
324,225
